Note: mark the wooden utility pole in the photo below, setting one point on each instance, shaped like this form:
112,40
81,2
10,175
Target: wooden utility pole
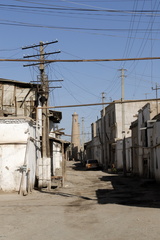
42,79
44,100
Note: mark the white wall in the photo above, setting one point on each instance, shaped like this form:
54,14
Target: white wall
119,154
17,148
131,109
113,121
11,158
57,158
119,159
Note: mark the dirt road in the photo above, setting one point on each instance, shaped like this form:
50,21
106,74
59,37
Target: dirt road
93,205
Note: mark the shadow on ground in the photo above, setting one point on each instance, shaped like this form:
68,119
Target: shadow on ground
129,191
78,166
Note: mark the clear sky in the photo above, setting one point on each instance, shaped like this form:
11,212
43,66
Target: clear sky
85,29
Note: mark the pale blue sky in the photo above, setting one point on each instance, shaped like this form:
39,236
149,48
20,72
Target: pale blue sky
85,30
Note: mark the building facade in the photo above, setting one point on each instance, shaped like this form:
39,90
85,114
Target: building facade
112,129
145,142
23,165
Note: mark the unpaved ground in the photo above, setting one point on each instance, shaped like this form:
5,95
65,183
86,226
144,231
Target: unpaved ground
93,205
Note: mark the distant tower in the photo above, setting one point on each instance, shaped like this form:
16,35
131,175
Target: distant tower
75,136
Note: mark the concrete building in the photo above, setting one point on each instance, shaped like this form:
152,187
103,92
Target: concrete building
145,142
116,129
107,143
58,147
97,141
20,131
155,149
22,165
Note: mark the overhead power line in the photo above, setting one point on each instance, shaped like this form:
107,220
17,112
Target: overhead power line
56,7
79,60
33,25
104,103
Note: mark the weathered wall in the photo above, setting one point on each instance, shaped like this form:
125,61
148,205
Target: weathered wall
156,150
119,159
131,109
134,130
17,149
11,159
57,159
113,129
119,154
17,99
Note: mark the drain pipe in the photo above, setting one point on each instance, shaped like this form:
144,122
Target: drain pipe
23,169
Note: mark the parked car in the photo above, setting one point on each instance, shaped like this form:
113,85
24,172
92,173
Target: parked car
91,164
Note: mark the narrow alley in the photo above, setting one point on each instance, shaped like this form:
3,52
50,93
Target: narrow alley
92,205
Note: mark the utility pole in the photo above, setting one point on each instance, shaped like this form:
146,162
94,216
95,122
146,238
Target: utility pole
122,99
45,96
103,101
103,134
156,89
42,79
123,121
